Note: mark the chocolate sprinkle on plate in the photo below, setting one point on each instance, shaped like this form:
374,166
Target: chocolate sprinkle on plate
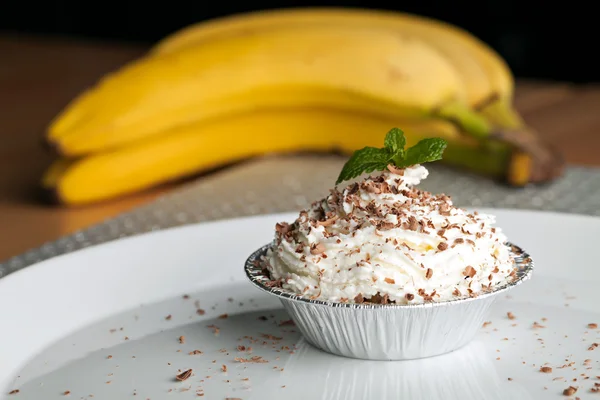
184,375
571,390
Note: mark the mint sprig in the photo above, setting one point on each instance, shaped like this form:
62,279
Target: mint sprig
369,159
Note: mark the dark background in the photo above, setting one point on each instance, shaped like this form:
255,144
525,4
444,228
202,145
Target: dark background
542,40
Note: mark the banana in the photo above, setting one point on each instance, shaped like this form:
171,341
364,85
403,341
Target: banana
354,68
487,77
201,75
193,148
55,171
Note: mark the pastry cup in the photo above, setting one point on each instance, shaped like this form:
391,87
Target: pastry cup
392,331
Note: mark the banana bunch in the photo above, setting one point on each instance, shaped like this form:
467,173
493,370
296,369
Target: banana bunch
288,80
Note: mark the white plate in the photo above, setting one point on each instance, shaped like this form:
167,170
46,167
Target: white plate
65,323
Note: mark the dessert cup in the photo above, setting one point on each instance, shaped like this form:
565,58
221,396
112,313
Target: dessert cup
390,331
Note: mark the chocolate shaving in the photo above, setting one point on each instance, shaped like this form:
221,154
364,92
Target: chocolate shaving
593,326
317,248
413,225
425,295
184,375
469,271
571,390
385,299
444,208
353,188
429,273
271,337
409,296
378,298
385,187
390,281
255,359
370,187
395,170
442,246
275,283
328,221
384,225
546,370
359,299
282,228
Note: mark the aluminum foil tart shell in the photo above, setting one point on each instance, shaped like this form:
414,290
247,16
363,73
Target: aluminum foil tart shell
388,332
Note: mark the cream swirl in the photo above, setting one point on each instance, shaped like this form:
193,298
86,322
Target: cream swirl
381,240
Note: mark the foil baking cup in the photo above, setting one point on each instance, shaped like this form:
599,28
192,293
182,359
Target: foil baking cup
392,331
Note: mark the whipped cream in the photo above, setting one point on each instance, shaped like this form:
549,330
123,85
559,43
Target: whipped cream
383,241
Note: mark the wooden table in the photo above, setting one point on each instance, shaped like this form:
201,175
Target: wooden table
39,76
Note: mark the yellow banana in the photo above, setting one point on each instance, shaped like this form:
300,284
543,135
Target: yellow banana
194,148
104,118
55,171
486,75
360,68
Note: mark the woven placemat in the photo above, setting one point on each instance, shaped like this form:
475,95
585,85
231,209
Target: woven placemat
277,184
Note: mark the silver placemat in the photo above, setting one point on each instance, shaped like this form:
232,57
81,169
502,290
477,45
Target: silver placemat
277,184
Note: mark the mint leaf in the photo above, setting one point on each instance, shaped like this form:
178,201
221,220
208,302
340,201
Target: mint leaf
371,159
427,150
395,142
365,160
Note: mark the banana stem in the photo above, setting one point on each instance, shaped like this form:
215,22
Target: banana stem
500,113
533,155
497,122
492,160
468,121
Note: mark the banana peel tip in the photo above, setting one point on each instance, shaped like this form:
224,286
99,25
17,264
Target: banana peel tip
51,146
50,196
